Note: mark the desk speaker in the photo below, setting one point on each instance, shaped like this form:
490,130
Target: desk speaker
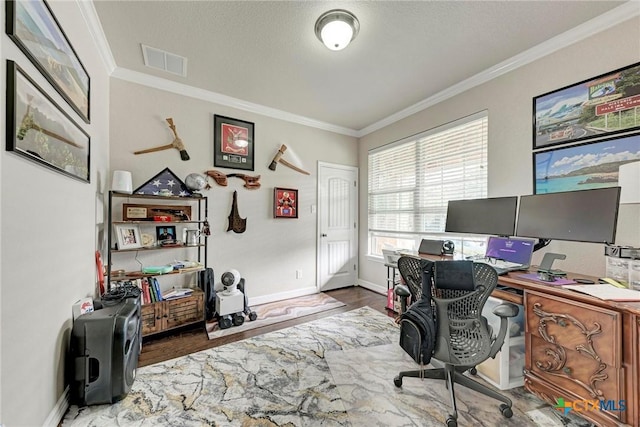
431,247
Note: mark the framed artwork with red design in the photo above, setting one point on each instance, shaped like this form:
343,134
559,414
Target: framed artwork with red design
233,144
285,203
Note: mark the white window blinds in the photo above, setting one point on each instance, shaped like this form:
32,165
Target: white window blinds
412,180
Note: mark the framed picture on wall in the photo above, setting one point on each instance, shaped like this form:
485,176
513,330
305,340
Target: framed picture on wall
598,107
35,29
285,203
584,166
233,143
40,131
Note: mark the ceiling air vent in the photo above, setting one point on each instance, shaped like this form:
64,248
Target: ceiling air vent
165,61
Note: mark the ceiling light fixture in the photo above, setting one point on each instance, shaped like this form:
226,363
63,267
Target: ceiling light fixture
337,28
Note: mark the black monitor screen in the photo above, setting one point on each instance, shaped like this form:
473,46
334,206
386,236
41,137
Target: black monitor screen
482,216
579,216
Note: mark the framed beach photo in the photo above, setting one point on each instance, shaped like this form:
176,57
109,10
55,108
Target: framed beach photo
233,143
585,166
592,109
37,129
285,203
35,30
128,237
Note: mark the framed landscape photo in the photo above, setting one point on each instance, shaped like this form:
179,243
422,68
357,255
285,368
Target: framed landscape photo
599,107
233,143
128,237
285,203
584,166
34,28
40,131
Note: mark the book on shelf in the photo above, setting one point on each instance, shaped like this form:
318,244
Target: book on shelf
175,293
146,297
156,289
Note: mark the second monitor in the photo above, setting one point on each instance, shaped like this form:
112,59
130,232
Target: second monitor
494,216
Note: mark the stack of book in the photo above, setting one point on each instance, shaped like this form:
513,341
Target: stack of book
150,290
177,293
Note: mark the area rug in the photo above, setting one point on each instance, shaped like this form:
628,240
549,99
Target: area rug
279,311
335,371
275,379
364,379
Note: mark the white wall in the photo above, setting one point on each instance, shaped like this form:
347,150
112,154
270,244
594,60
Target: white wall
48,224
509,101
270,251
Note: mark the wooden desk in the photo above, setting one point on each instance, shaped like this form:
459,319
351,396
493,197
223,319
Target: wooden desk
580,348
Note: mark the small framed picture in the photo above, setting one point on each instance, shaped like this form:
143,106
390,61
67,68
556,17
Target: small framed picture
128,237
165,233
285,203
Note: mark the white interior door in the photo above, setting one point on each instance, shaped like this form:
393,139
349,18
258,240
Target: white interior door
337,226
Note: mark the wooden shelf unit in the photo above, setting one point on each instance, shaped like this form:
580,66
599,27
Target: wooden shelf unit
165,315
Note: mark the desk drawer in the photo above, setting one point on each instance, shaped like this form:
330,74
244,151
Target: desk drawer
592,331
581,376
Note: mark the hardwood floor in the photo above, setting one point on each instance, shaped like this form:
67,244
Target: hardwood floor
175,344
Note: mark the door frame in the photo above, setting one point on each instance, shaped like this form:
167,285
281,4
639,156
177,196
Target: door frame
321,165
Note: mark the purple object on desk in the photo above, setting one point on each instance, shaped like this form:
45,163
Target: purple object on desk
557,282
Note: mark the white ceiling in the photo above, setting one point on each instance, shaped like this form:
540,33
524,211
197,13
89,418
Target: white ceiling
264,54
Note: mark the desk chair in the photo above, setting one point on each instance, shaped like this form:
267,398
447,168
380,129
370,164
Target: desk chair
410,269
464,339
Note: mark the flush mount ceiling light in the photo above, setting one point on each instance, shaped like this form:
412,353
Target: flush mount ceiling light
336,28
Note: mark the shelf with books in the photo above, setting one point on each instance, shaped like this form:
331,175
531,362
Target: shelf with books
134,256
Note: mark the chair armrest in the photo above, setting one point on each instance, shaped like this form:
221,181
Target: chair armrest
504,311
403,292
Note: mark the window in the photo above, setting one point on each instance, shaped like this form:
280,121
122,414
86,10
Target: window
412,180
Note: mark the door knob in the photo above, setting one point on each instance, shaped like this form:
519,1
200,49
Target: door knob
323,235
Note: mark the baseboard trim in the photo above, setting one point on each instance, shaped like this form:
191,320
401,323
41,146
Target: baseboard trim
372,286
282,296
57,413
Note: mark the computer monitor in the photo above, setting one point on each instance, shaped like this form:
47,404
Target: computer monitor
496,215
579,216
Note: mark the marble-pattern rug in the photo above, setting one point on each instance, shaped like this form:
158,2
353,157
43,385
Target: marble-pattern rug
335,371
364,378
278,311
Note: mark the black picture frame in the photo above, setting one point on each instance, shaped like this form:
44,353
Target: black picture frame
588,110
583,166
285,202
35,30
166,233
39,130
233,143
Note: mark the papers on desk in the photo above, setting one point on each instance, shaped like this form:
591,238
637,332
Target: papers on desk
606,292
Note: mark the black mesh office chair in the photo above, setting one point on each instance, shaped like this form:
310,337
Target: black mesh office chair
463,339
410,269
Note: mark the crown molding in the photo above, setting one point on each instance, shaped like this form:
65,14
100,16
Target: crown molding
624,12
600,23
228,101
88,11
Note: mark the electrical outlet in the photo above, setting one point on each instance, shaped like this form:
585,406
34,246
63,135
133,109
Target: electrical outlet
298,274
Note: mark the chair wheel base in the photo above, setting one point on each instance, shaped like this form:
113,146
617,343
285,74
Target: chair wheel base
506,410
452,422
397,381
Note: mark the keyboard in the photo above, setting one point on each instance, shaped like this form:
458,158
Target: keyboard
503,267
